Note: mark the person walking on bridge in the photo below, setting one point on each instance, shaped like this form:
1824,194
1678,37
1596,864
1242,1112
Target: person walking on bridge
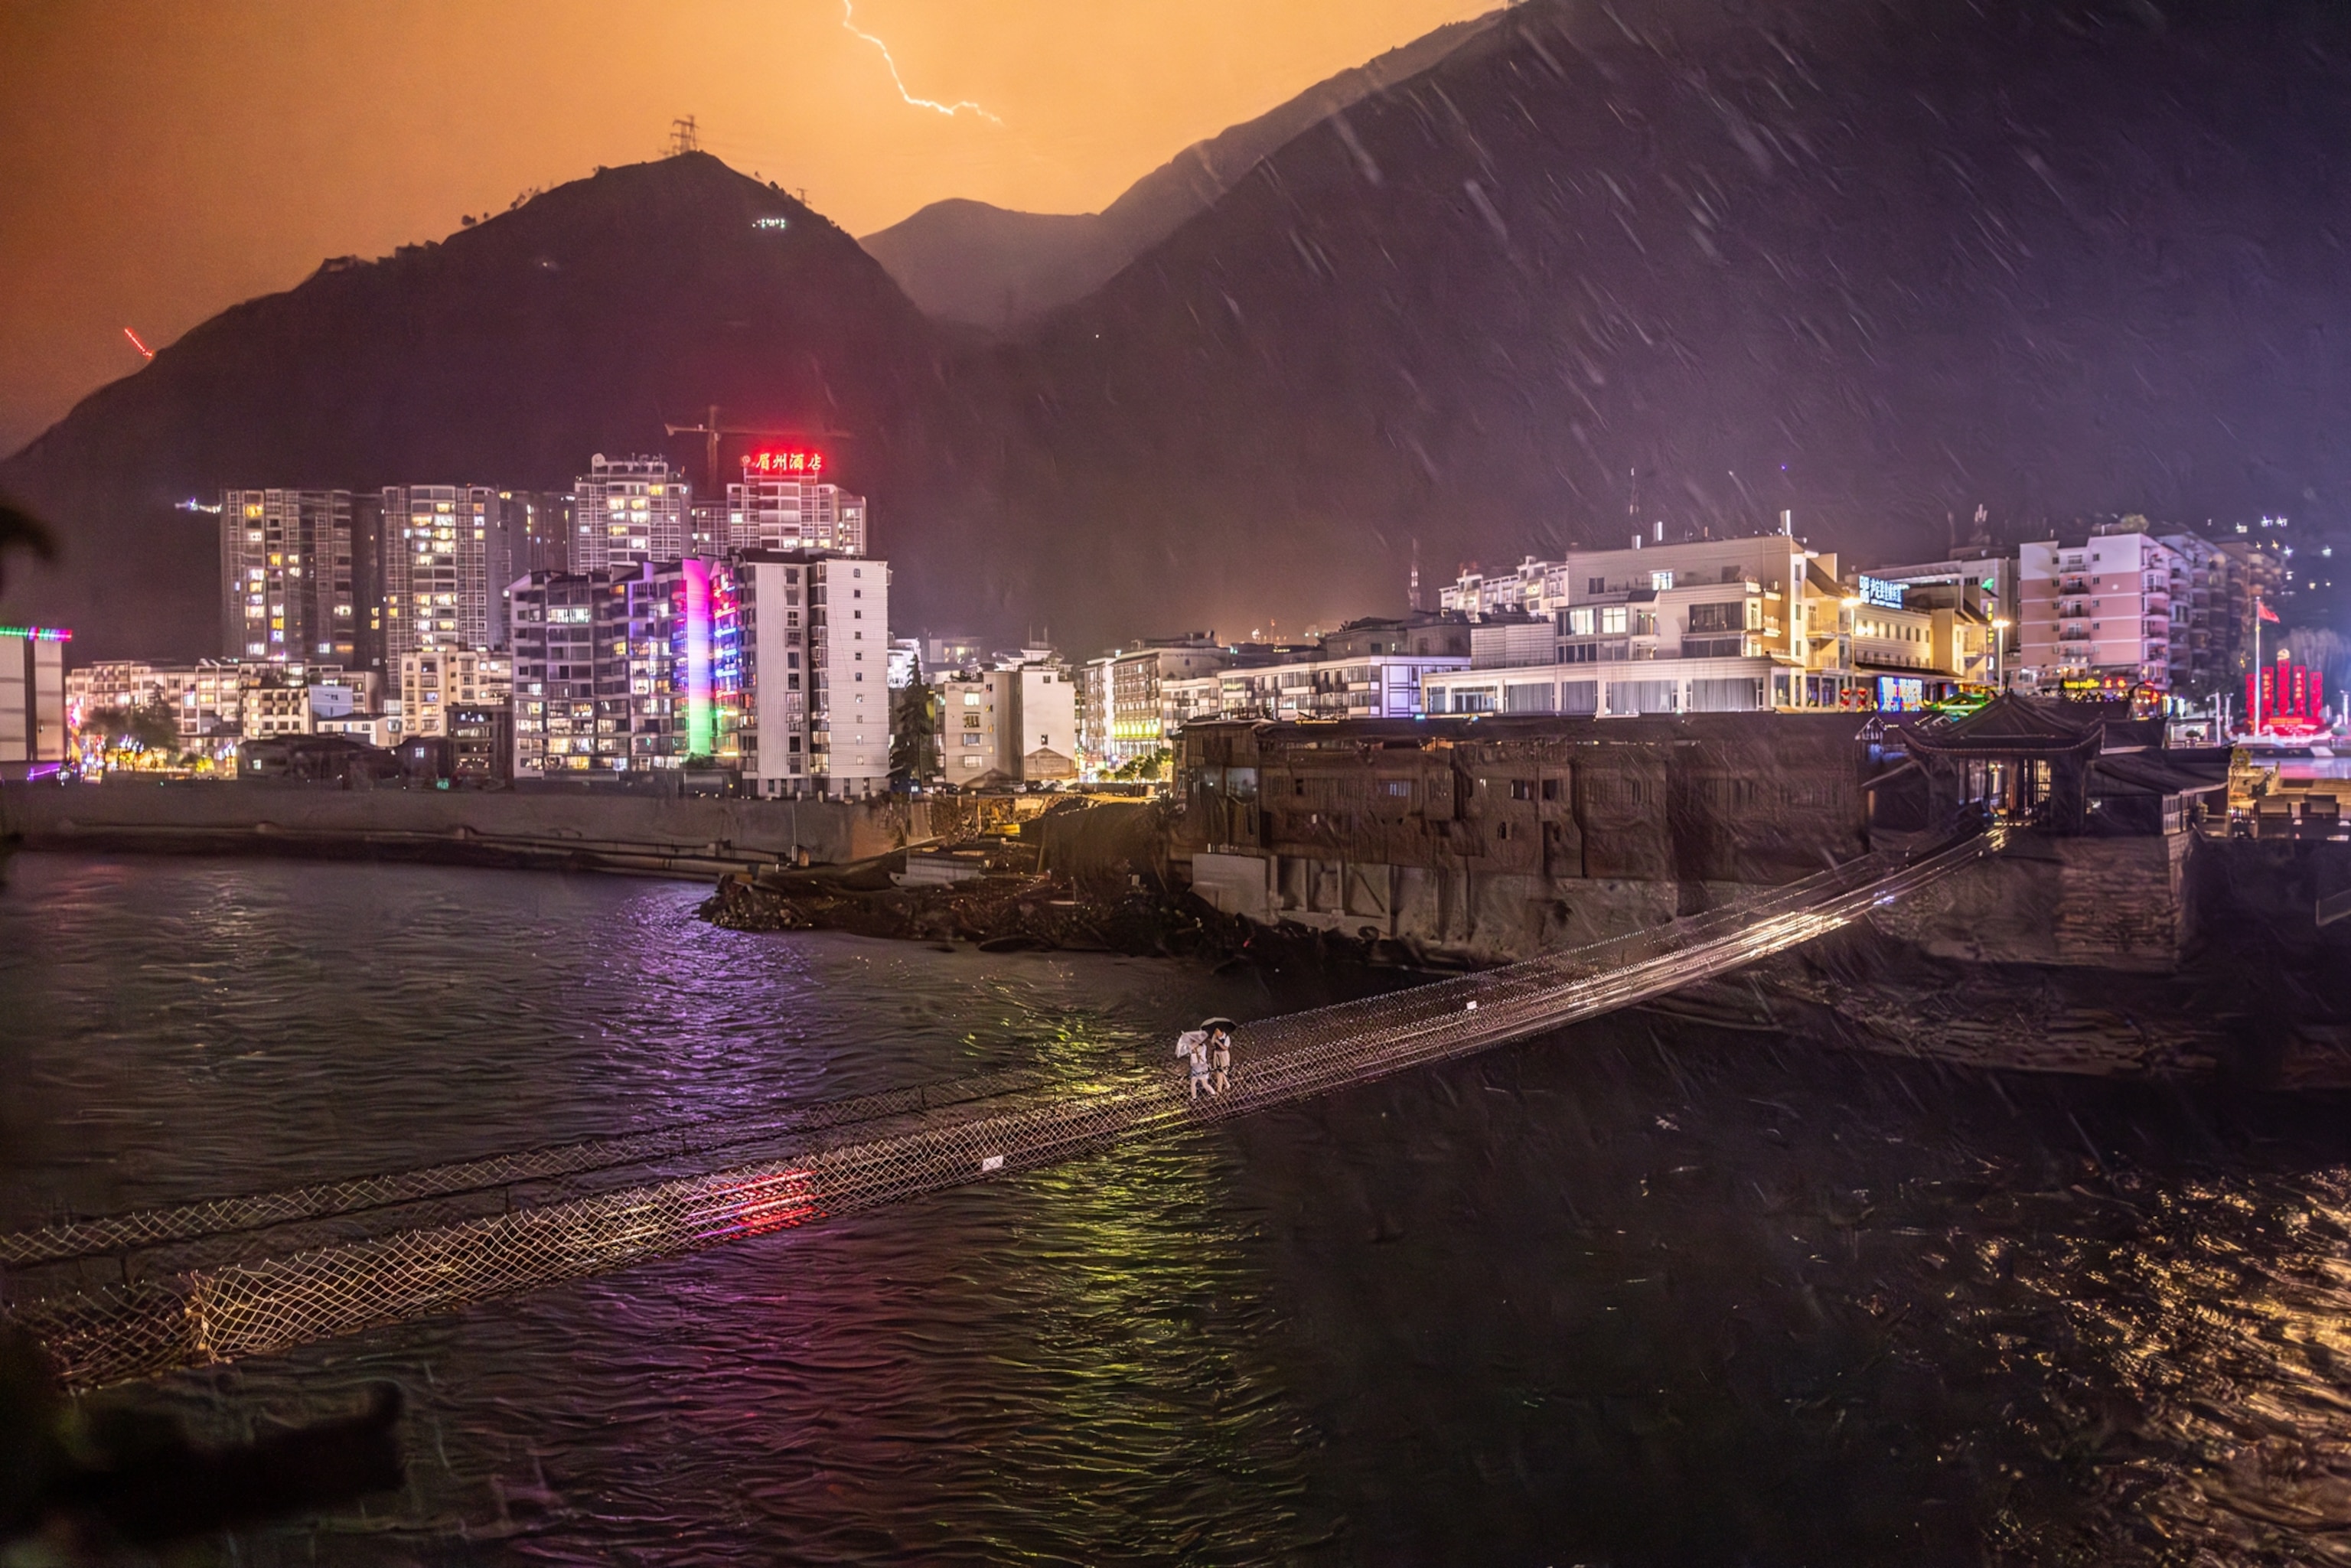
1220,1054
1193,1044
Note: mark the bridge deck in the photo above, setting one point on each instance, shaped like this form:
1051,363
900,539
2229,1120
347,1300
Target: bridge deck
802,1165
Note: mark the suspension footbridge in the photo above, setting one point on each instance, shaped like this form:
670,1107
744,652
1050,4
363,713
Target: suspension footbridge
211,1281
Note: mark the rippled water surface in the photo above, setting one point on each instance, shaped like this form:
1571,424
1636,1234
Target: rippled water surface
1625,1295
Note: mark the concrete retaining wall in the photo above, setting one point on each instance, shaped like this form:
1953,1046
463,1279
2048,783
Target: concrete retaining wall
617,832
2103,903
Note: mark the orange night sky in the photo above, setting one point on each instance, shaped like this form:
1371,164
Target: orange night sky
159,161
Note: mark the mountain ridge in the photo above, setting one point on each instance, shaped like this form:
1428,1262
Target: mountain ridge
1877,264
508,352
972,262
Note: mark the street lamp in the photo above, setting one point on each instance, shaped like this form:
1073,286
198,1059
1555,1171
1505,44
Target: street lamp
2000,625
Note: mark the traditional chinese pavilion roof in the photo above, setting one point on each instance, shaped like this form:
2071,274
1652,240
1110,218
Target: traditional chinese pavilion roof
2185,772
2011,724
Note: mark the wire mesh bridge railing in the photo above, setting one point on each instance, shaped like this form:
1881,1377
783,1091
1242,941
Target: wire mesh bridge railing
797,1165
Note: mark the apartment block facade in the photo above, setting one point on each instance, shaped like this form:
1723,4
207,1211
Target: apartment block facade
1707,626
288,588
783,515
433,681
447,560
2097,617
815,641
627,512
1121,710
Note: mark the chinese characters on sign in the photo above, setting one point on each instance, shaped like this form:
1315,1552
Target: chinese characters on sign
789,464
1877,591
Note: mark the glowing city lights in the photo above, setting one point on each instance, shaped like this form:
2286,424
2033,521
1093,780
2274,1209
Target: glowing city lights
793,464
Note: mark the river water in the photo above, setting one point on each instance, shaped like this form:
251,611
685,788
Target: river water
1627,1294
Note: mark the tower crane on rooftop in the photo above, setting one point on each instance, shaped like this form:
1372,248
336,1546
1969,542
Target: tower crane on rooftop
710,430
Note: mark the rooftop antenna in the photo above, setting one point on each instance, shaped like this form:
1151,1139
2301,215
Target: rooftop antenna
681,138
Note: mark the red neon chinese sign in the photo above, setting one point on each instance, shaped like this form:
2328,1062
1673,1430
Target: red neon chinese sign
793,464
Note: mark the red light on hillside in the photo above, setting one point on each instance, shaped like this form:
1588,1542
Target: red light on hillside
794,463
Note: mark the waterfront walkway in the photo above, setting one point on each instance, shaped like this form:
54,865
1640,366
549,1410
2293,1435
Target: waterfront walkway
216,1281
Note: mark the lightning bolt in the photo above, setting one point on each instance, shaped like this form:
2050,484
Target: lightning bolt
849,21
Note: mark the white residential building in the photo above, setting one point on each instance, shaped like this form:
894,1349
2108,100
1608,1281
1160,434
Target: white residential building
815,632
1191,699
1037,705
627,511
1016,724
970,751
794,515
1364,685
1713,625
31,698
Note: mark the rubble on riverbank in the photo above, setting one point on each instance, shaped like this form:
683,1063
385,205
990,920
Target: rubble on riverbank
1013,907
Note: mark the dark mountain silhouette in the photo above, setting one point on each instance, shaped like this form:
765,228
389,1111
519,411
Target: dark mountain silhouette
2062,259
987,266
506,354
1875,262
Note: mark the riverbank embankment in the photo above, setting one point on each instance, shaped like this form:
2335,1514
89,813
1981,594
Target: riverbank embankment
626,832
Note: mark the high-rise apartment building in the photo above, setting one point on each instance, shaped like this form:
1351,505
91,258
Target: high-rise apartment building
794,515
684,665
815,669
627,511
444,547
624,671
539,531
288,589
570,674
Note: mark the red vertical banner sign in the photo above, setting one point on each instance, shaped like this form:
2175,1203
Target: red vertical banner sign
2300,692
2317,693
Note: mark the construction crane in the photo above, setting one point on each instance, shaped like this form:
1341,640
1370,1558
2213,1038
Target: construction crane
710,430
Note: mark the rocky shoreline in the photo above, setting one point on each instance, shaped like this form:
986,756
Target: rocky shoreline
1014,908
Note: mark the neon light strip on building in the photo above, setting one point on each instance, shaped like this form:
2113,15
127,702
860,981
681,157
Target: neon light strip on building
700,732
39,634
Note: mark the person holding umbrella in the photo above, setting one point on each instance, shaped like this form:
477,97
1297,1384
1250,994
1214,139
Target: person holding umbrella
1220,1053
1193,1044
